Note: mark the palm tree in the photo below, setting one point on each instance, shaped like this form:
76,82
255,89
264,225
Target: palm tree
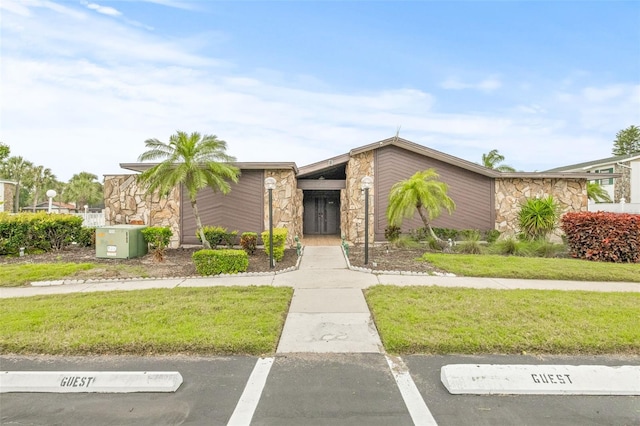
196,161
83,189
493,158
597,193
41,179
422,192
18,170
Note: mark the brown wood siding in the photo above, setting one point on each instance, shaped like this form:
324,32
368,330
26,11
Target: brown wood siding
242,209
472,193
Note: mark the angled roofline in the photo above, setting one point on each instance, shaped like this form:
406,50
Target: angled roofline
429,152
322,165
140,167
596,163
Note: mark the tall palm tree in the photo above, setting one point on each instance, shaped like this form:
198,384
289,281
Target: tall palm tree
41,179
597,193
194,160
493,158
83,189
422,192
18,170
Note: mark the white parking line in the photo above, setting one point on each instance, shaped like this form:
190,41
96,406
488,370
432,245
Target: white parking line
418,409
250,397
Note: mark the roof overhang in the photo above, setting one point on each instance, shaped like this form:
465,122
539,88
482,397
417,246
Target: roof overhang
141,167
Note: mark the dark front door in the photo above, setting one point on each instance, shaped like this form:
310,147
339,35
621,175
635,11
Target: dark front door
321,213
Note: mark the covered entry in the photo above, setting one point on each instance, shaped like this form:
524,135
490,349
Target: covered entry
321,213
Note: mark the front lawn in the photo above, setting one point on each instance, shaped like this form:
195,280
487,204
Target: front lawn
213,320
497,266
436,320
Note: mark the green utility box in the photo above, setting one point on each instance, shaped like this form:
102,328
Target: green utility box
120,241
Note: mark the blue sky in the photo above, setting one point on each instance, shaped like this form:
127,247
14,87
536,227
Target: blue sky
546,83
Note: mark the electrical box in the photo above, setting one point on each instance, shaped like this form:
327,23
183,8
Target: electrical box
120,241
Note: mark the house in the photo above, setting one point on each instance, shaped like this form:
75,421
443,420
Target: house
56,207
627,186
326,198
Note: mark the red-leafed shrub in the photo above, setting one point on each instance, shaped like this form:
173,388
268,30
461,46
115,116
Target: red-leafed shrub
608,237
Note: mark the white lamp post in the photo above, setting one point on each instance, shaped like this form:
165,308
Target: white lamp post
51,193
270,185
367,183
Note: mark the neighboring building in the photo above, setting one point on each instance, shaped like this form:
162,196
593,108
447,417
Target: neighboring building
626,186
325,198
7,195
56,207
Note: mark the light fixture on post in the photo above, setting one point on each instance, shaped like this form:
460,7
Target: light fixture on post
270,185
51,193
367,183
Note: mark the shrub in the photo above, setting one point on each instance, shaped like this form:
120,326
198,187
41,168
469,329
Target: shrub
509,247
37,232
444,233
492,235
279,240
537,217
471,244
609,237
392,233
86,237
217,235
215,262
249,241
158,238
406,242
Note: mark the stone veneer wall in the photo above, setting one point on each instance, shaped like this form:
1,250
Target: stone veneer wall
125,202
622,185
571,195
287,204
8,196
352,199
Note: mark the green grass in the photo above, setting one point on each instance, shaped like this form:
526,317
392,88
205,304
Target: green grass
213,320
18,275
436,320
533,267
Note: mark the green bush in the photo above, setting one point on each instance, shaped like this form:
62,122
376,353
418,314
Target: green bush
471,243
538,217
37,232
392,233
158,238
86,237
279,240
491,236
215,262
249,242
217,235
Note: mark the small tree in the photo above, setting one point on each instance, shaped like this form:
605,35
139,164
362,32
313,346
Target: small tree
158,238
192,160
538,217
422,192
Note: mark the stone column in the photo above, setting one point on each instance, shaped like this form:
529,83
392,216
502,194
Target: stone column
287,204
352,199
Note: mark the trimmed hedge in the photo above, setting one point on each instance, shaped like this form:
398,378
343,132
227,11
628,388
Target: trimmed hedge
217,235
279,240
600,236
215,262
37,232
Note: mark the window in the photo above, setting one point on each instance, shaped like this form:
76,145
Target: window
604,181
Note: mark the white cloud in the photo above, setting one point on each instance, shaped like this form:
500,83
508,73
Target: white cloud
105,10
489,84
